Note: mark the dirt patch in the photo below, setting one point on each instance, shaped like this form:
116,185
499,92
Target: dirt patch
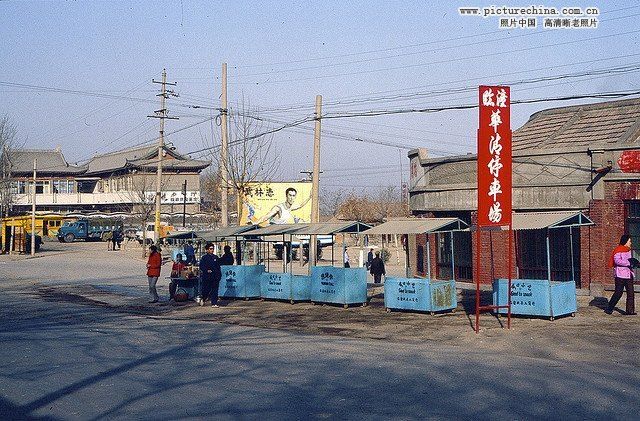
565,338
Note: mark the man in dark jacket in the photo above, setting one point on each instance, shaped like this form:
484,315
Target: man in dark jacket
377,268
189,253
227,257
210,275
369,259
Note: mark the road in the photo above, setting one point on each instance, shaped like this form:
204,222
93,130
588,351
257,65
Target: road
71,360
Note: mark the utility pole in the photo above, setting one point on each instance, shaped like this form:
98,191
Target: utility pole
315,195
184,204
224,151
162,115
33,209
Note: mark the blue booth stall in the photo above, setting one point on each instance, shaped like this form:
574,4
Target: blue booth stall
240,281
421,294
532,296
536,297
338,285
285,285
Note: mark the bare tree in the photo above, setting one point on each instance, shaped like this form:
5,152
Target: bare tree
376,208
8,143
330,201
252,156
142,196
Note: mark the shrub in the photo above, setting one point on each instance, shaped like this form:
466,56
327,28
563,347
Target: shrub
385,255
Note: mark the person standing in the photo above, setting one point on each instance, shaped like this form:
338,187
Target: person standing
153,272
346,259
369,259
377,268
227,257
189,253
623,275
210,275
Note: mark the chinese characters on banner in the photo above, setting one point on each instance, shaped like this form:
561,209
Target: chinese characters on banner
494,157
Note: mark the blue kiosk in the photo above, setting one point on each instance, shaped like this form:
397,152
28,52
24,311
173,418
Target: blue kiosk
289,287
542,297
420,294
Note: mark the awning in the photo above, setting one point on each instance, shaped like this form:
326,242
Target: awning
332,228
418,226
224,233
551,220
275,229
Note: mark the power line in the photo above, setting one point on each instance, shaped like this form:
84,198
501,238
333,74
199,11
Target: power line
451,60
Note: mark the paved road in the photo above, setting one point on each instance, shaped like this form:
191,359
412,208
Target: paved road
62,360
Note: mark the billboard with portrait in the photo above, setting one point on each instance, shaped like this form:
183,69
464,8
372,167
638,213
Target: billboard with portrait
266,203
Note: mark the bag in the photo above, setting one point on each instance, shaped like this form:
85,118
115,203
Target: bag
181,295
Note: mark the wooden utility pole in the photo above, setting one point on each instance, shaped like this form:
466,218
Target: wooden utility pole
224,151
33,209
315,189
184,204
162,115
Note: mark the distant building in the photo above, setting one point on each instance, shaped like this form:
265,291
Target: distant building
580,158
123,181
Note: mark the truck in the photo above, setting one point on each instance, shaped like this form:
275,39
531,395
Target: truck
88,229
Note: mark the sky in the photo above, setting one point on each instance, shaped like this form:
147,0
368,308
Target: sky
78,75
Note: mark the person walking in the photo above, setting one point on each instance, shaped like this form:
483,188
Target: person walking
227,257
377,268
369,259
153,272
623,275
210,275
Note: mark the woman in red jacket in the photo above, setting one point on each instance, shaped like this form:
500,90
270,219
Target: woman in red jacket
153,272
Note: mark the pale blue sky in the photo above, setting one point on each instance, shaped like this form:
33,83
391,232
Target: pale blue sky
282,54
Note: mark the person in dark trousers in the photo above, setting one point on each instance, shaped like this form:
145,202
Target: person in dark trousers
153,272
377,268
210,275
189,253
623,275
369,259
227,257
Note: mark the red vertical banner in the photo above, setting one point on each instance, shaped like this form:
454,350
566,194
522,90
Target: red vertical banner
494,157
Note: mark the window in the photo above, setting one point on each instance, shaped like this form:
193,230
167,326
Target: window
633,225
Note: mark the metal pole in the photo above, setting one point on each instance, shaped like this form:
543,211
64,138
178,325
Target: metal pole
548,257
428,256
224,158
573,274
33,210
453,261
477,279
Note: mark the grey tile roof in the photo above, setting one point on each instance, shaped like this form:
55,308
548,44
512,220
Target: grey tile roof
48,161
140,157
603,124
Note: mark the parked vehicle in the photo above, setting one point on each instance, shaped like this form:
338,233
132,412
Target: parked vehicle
323,241
88,229
165,229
